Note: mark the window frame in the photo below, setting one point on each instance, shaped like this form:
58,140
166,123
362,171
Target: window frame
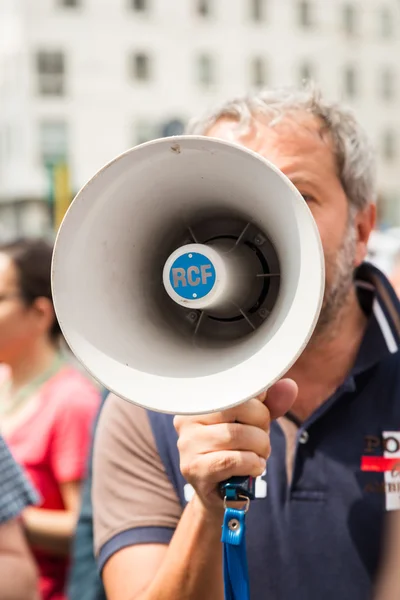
257,11
389,142
139,9
305,16
202,59
203,4
351,74
258,65
51,78
349,8
136,68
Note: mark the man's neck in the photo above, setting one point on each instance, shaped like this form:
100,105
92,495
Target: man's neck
328,359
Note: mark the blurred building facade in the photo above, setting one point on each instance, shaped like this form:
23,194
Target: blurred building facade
83,80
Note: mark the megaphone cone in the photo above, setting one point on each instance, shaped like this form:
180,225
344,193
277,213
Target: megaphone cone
188,275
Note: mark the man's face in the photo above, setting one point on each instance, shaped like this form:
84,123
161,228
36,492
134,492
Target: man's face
304,154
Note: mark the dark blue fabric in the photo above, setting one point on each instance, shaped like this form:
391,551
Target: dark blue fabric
166,441
84,581
131,537
321,537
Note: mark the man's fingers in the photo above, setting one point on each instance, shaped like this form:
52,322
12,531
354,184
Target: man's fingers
278,400
252,412
218,466
280,397
203,439
235,441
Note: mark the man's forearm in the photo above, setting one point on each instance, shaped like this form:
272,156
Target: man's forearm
192,567
17,578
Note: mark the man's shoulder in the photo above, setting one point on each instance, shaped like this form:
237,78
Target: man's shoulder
118,412
389,366
135,433
128,415
379,386
128,426
131,466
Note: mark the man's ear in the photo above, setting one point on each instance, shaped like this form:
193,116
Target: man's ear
364,223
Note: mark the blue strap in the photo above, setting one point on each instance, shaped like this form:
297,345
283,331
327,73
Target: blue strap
236,577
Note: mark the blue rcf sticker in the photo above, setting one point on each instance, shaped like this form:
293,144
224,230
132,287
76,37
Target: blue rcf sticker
192,276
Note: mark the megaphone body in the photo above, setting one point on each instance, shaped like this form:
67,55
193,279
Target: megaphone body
188,275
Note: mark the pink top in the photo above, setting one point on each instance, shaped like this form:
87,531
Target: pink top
52,444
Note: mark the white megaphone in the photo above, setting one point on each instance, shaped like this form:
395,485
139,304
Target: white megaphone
188,275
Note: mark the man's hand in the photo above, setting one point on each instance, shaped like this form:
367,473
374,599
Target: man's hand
217,446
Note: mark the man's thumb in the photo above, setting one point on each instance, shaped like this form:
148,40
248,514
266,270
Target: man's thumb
280,397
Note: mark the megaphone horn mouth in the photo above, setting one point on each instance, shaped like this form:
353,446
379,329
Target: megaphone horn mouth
125,311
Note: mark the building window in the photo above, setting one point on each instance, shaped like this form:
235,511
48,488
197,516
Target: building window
350,82
386,22
388,84
70,3
141,66
203,8
53,141
349,19
140,5
205,70
305,14
258,72
306,73
389,146
50,68
257,10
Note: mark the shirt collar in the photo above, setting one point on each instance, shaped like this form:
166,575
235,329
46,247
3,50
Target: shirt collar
382,336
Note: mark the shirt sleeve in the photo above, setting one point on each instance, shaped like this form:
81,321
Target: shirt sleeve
134,502
16,493
77,405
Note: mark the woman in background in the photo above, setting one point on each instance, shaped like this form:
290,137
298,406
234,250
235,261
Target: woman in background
46,407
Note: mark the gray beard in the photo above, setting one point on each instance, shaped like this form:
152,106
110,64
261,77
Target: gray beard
337,290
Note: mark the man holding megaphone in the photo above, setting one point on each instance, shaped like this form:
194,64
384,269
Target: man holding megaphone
330,429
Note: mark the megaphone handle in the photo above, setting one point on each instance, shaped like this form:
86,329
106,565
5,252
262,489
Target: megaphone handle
236,487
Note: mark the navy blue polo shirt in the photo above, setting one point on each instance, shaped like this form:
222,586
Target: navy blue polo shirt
321,536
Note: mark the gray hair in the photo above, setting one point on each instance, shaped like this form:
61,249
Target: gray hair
354,154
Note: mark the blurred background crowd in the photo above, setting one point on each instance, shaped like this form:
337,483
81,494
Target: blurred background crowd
84,80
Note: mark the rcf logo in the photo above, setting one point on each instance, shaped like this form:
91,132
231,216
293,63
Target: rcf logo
192,276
